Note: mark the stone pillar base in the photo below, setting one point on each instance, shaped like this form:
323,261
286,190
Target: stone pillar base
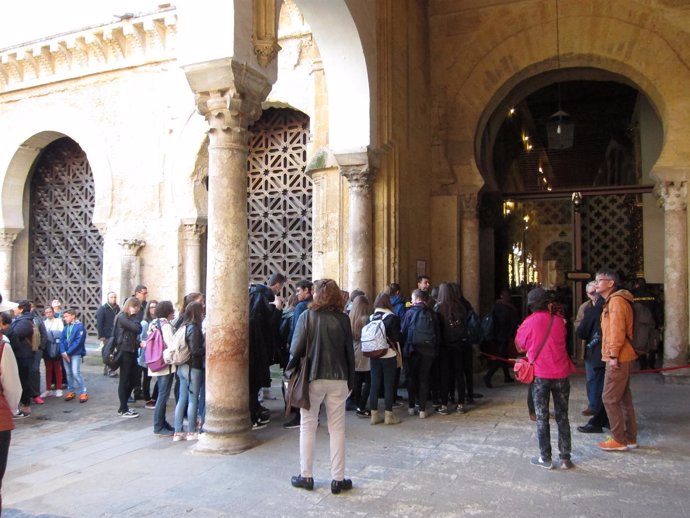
225,443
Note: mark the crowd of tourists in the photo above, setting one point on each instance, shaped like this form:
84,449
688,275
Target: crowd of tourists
360,354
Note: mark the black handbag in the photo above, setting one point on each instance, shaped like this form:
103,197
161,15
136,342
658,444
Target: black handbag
111,353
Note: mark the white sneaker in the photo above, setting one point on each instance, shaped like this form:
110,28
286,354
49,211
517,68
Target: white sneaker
58,393
422,414
180,436
47,393
192,436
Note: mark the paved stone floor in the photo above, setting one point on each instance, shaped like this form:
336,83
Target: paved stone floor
82,460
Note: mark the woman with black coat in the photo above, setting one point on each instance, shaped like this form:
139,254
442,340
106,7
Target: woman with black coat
127,329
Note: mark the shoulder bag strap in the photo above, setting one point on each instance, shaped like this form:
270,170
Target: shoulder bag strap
543,342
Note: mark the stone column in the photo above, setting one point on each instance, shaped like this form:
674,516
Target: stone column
360,254
229,96
130,266
7,238
469,267
674,198
191,238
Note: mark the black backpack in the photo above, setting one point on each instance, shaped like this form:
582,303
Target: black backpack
421,333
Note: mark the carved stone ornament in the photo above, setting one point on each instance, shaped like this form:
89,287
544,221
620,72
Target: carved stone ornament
131,246
673,195
265,31
7,239
266,51
192,231
469,204
360,177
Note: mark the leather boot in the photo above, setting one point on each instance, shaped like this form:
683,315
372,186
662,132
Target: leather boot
375,419
391,418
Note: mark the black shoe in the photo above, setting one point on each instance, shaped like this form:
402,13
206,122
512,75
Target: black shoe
475,395
364,414
471,401
293,423
487,382
304,482
340,485
589,428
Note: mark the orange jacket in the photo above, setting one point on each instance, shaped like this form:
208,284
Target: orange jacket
617,327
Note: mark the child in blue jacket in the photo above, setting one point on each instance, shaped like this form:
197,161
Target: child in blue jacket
72,349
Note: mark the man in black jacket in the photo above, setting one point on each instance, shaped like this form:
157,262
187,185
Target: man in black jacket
20,335
105,319
265,310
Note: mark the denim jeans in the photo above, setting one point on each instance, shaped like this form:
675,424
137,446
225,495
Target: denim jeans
382,371
560,389
188,400
74,378
594,372
164,385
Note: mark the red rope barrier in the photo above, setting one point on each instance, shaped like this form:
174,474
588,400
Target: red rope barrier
646,371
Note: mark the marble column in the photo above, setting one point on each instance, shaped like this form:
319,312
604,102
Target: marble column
360,253
7,238
130,266
191,239
229,96
674,198
469,267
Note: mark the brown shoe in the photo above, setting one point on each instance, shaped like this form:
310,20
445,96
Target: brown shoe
588,411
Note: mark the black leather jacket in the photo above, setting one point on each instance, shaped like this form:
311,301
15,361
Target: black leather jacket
197,346
330,348
127,331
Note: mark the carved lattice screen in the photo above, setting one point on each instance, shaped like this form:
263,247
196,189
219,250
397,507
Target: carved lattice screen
612,233
279,193
65,248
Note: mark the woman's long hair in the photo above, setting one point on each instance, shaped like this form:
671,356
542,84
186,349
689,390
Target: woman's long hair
448,302
383,301
147,314
194,313
359,314
327,296
130,303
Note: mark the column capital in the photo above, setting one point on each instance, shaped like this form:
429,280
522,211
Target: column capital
228,94
673,195
359,167
360,177
469,202
191,231
7,237
131,246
